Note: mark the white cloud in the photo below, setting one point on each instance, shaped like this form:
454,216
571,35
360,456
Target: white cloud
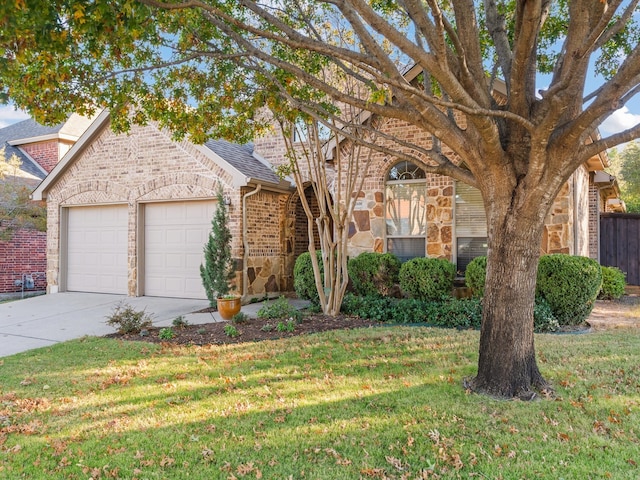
9,115
618,121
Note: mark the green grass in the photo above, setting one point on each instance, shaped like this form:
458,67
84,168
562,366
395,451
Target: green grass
376,403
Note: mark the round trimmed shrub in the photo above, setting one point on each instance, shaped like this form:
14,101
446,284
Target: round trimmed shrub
374,273
613,283
427,278
304,282
475,275
570,284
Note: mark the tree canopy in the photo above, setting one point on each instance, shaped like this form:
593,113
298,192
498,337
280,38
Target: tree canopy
626,166
201,67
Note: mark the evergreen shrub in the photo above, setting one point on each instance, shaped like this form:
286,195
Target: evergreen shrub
217,271
304,282
374,273
451,313
427,278
544,321
280,308
475,275
613,283
570,284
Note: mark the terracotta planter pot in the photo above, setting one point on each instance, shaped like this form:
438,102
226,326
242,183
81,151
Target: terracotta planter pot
228,307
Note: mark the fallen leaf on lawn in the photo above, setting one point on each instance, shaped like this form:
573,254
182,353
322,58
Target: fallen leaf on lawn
395,462
373,472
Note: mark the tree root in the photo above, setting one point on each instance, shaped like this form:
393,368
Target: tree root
541,390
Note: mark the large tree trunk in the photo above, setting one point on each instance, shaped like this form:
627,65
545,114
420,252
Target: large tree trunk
507,364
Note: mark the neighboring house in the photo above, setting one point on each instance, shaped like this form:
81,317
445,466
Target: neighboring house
130,214
39,148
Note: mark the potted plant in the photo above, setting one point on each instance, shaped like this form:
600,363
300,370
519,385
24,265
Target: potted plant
217,270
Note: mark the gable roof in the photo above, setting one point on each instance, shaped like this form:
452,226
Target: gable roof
29,131
240,161
23,130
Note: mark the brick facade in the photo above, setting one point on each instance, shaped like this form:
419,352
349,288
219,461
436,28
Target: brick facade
568,228
23,254
146,166
47,153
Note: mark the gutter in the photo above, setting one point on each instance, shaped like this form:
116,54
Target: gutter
245,244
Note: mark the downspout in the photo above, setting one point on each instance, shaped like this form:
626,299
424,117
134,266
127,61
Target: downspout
245,244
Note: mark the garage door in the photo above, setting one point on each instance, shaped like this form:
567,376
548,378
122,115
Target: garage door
97,249
174,237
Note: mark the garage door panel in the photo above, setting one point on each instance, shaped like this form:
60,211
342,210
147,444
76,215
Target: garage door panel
97,249
175,234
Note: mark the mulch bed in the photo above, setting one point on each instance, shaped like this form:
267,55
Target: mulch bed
253,330
607,313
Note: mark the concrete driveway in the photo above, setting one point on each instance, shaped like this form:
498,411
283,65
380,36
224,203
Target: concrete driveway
48,319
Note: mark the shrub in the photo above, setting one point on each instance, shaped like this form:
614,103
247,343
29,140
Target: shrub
217,271
166,333
427,278
374,273
613,283
231,331
240,317
288,326
128,320
463,313
303,281
180,322
452,313
280,308
475,275
544,320
570,284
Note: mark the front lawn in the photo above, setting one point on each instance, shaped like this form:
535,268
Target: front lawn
370,403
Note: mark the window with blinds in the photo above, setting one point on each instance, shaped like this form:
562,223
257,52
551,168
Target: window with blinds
471,225
406,211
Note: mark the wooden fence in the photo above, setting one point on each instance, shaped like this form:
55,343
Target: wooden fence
620,243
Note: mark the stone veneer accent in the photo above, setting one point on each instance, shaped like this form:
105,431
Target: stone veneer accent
367,227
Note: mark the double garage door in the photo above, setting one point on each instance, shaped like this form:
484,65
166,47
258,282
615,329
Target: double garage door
174,235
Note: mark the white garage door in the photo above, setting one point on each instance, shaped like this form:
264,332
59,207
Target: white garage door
174,237
97,249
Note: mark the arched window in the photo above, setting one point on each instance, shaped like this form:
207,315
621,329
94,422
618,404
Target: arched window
406,210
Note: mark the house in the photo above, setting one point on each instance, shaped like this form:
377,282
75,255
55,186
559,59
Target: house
130,213
404,210
38,148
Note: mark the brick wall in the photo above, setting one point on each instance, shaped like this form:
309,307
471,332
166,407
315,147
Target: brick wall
265,228
24,253
47,154
146,166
